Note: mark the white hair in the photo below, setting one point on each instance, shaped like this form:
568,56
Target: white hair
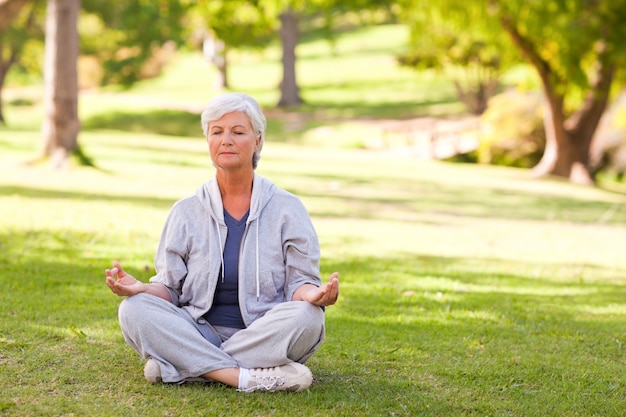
231,102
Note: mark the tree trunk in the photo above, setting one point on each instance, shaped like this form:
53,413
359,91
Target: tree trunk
565,154
9,10
61,125
568,141
289,91
222,67
3,121
224,71
4,68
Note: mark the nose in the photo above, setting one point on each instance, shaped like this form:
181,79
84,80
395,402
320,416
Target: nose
228,138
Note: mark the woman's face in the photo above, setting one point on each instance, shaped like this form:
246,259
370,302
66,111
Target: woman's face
232,142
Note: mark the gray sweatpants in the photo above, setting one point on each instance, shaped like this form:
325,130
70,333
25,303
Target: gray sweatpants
184,348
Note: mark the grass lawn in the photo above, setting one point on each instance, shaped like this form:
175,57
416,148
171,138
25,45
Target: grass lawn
465,290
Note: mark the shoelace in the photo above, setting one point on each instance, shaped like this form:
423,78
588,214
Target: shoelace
268,383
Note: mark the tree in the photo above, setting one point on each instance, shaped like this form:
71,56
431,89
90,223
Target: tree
231,24
252,24
122,35
474,61
9,10
290,12
61,125
289,34
242,23
575,47
128,40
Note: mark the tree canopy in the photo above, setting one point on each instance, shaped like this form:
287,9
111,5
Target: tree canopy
9,10
124,35
576,49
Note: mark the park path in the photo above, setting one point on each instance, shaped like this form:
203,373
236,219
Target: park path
422,137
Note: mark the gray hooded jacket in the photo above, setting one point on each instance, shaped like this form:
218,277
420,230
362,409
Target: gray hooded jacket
279,250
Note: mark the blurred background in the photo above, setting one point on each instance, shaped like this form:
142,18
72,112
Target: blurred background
537,85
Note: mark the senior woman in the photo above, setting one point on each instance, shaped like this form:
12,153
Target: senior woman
237,296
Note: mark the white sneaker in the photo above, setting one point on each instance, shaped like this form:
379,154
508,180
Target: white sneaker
152,372
290,377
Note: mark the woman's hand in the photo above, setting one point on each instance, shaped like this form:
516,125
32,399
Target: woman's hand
121,283
323,296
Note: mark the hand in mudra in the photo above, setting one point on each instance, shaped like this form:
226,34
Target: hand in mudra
122,283
325,295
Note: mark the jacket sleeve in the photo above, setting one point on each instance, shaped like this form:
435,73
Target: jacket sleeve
301,251
170,260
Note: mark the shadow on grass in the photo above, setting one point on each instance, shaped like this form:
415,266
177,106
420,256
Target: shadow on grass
396,110
161,122
459,340
407,292
410,335
430,197
471,201
48,193
150,152
435,282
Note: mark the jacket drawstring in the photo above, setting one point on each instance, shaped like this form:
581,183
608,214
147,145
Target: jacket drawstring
219,234
258,280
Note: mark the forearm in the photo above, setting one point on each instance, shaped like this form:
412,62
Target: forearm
320,296
158,290
298,294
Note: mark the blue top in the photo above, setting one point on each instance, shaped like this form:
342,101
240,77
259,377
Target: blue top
225,310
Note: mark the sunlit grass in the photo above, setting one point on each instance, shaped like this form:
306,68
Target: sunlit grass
465,289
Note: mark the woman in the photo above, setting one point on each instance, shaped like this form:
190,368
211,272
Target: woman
237,297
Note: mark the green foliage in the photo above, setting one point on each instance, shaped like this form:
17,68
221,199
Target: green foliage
21,45
238,23
569,37
255,24
459,42
125,35
513,132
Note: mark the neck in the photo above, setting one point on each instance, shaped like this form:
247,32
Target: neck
236,191
235,185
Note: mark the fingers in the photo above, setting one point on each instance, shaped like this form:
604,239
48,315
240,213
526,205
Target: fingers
116,272
113,275
111,280
118,267
330,291
334,286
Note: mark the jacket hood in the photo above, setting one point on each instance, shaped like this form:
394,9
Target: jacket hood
211,198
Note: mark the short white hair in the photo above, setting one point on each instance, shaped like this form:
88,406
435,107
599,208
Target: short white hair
231,102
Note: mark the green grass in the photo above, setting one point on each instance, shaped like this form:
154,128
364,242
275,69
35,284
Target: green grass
465,290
